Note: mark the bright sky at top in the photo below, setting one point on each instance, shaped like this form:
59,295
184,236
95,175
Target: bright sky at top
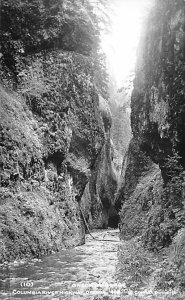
120,45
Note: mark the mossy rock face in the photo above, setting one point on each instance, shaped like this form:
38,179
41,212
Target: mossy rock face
149,193
105,112
140,193
49,145
158,96
99,195
52,130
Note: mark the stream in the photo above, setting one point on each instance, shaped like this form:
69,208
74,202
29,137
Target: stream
84,272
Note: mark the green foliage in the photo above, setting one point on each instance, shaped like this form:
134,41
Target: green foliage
172,166
170,276
159,232
172,195
147,275
135,263
101,76
164,223
30,27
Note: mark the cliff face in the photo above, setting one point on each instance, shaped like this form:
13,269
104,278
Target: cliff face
140,193
48,147
120,133
158,96
52,131
157,121
121,129
99,195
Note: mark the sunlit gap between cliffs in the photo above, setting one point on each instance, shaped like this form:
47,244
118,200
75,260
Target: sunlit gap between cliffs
121,42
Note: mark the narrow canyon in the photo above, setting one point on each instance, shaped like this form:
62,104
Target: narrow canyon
92,175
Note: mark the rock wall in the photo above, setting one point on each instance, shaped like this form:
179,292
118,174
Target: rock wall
158,96
120,133
121,129
99,196
49,145
52,130
154,197
140,192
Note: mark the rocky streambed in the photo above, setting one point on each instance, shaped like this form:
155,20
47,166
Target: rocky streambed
104,268
84,272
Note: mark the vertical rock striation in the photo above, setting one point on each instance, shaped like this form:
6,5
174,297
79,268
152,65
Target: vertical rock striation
99,195
159,87
157,120
52,131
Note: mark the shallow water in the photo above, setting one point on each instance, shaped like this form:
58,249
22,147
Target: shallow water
80,273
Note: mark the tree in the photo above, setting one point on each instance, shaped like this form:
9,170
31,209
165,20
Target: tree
173,190
28,27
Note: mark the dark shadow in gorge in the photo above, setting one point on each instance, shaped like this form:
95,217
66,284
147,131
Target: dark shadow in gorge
113,221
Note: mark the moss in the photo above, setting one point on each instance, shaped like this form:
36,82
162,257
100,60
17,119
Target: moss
157,111
49,146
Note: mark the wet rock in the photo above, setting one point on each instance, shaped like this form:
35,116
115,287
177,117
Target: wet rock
158,87
52,155
52,129
157,111
98,198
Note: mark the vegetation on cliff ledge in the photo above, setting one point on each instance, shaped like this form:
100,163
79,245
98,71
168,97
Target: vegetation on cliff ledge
152,193
52,131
